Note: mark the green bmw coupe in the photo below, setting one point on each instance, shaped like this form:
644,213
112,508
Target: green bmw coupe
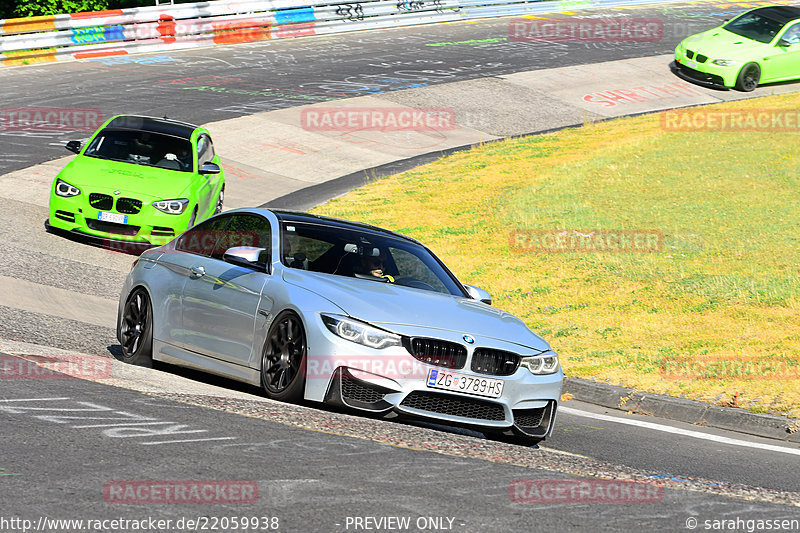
758,46
138,180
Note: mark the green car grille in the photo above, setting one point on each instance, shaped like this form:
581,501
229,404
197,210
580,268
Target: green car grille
103,202
129,206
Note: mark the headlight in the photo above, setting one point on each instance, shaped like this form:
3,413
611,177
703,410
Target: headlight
724,62
360,332
172,207
65,189
546,363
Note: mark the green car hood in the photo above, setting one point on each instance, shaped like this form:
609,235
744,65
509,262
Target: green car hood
91,174
719,43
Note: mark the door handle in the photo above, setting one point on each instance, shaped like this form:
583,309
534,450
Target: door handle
197,272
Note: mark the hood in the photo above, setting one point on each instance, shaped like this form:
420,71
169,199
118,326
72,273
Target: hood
719,43
388,305
102,175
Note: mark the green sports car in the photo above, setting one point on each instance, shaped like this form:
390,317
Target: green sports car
758,46
138,180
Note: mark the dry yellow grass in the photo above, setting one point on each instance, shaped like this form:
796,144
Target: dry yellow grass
724,287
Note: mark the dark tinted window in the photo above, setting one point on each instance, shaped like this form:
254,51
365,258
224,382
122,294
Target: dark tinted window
754,26
244,230
202,238
365,255
205,150
142,148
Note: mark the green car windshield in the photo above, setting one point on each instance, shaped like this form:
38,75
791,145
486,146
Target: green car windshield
142,148
754,26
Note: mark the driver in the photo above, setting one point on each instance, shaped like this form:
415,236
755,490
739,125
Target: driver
374,266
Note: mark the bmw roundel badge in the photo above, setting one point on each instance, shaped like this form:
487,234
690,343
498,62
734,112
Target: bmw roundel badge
469,339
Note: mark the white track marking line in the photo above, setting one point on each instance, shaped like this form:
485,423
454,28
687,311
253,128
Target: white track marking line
679,431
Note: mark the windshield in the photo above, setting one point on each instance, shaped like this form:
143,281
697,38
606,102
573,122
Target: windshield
365,255
754,26
142,148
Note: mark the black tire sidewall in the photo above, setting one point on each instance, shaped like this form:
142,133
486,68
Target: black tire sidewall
296,390
740,77
144,355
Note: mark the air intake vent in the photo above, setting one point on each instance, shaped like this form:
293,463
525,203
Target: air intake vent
454,405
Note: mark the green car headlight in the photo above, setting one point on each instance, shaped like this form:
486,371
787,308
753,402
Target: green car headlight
546,363
65,189
360,332
724,62
172,207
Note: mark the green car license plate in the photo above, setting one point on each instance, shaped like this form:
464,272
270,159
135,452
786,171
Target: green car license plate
112,217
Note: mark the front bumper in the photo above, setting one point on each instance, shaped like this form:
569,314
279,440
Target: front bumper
392,379
149,226
703,72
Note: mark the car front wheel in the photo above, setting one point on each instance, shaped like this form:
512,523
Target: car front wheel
136,329
283,361
748,78
220,198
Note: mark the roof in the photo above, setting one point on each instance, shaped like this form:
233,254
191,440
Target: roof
285,215
781,14
166,126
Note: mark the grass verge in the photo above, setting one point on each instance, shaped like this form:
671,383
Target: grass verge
713,314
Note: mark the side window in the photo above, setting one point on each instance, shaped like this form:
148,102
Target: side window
202,238
244,230
793,34
205,150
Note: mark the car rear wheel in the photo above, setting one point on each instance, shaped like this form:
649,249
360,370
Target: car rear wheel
283,361
748,78
136,329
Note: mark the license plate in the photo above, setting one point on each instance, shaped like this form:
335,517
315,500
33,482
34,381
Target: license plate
440,379
112,217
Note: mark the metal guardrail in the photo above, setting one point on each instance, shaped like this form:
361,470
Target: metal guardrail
156,28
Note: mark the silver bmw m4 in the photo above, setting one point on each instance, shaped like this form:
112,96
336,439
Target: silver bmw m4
316,308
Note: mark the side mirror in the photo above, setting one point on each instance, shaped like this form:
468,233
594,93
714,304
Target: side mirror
247,256
74,146
783,43
477,293
210,168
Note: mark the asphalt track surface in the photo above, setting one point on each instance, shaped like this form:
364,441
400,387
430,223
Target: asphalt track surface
315,467
219,83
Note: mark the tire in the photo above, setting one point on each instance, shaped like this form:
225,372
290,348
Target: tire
193,219
283,359
220,199
748,78
136,329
